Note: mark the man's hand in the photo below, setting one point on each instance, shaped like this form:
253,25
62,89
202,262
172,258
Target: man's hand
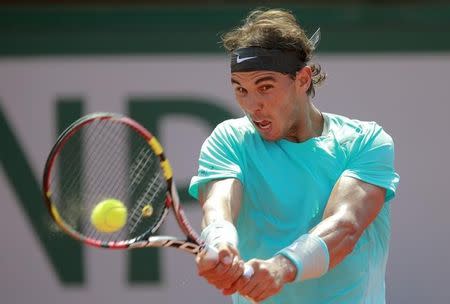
224,271
268,279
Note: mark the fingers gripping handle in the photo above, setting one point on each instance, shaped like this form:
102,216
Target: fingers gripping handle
213,255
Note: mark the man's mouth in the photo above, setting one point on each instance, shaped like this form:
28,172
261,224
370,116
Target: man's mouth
262,124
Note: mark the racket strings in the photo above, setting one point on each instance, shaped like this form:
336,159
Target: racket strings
149,189
144,167
72,167
140,166
112,162
119,136
67,182
97,140
148,196
109,149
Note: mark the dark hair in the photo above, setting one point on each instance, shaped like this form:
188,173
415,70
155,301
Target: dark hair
275,29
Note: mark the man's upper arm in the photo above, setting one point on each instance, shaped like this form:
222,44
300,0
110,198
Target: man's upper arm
358,196
360,201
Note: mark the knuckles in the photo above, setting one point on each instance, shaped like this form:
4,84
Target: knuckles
229,279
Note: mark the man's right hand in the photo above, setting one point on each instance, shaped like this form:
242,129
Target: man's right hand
223,271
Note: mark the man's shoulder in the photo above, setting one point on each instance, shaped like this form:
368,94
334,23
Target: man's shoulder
351,126
350,130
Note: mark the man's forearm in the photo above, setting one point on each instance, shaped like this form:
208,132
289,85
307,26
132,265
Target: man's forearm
220,200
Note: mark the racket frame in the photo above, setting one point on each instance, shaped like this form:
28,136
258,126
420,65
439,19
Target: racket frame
191,244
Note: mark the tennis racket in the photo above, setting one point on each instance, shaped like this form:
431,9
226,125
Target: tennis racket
106,156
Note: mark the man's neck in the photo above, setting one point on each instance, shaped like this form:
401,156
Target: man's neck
311,125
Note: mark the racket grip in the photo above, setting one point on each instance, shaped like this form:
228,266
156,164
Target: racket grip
248,271
213,254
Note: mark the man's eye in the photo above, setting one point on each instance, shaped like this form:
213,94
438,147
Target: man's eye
265,87
240,90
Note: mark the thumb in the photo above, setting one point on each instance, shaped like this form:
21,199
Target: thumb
207,260
225,255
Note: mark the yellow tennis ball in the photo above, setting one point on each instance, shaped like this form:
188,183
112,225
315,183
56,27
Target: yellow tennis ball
110,215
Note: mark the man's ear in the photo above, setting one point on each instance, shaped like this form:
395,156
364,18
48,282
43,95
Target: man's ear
304,78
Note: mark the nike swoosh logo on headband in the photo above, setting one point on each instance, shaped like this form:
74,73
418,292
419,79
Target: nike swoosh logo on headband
239,59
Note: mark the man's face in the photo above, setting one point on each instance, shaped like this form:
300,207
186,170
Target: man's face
272,101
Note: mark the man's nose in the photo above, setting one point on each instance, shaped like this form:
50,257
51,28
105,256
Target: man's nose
253,104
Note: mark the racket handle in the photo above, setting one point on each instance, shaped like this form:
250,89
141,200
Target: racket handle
213,254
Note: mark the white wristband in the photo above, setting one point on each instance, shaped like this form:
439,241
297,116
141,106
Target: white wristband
309,253
219,232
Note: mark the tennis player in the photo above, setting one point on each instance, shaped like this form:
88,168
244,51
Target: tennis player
300,195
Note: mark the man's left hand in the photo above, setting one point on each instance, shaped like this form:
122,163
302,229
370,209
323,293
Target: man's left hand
268,279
